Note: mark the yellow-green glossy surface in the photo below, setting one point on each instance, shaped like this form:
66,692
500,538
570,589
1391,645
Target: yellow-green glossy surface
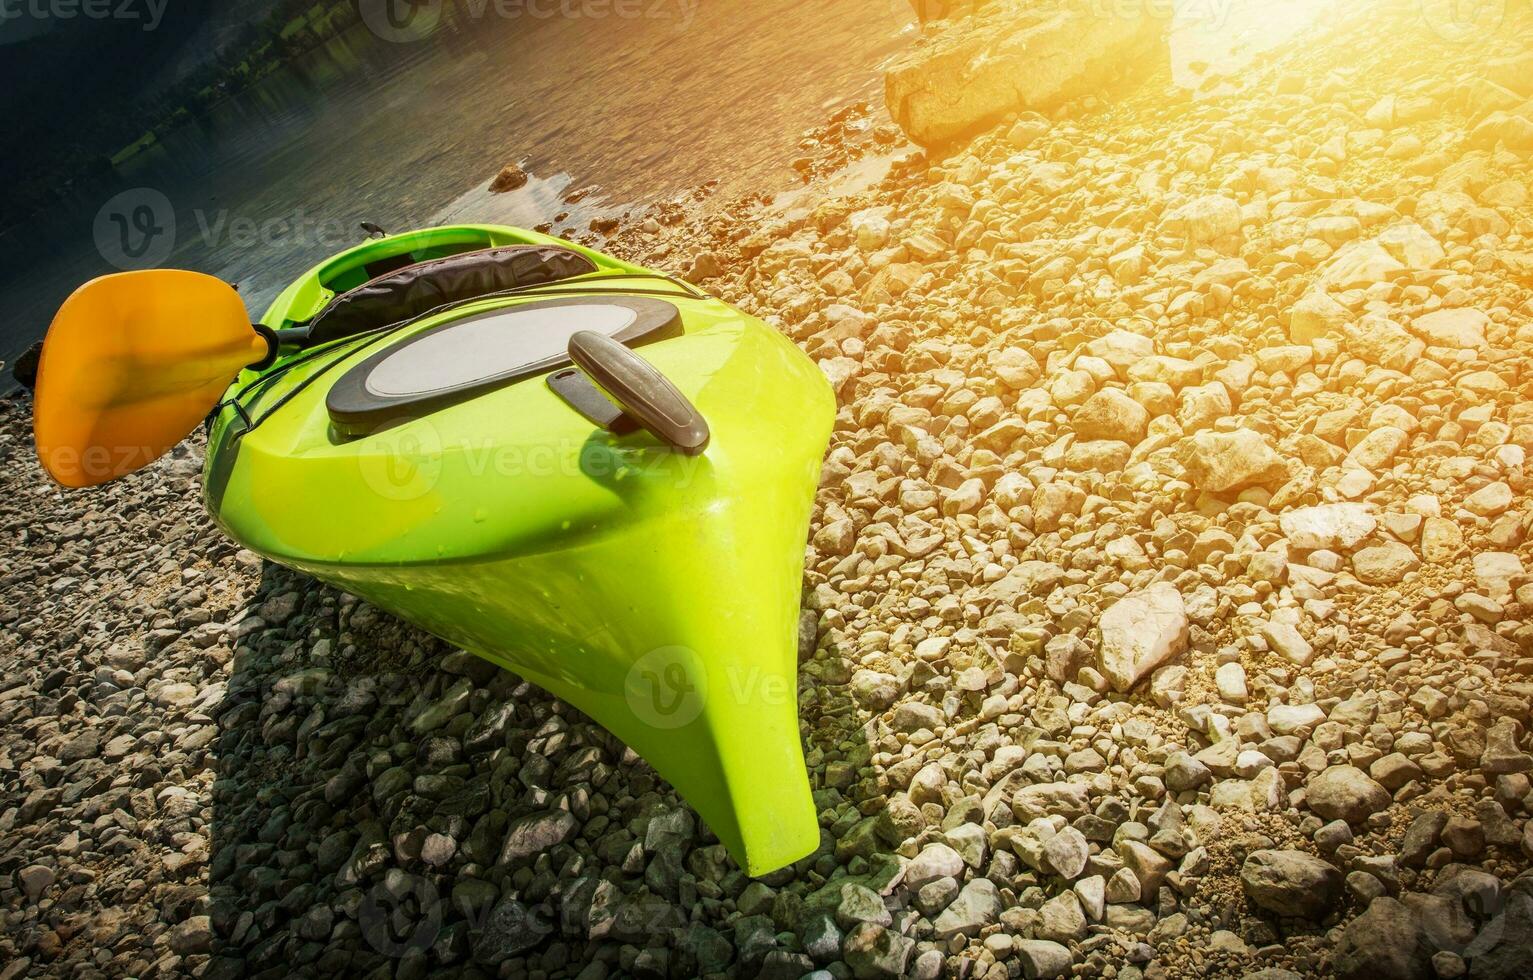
656,592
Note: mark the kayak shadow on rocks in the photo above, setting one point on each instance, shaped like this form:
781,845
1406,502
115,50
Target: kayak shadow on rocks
386,805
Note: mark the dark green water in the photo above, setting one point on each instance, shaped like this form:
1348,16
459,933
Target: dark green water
644,107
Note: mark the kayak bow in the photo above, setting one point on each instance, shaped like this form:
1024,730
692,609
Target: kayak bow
578,469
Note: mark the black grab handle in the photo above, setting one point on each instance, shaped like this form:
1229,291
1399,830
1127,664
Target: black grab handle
644,394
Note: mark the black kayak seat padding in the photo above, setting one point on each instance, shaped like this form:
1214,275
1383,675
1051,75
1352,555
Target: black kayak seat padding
421,287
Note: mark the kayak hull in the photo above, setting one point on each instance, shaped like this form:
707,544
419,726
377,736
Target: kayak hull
677,636
656,592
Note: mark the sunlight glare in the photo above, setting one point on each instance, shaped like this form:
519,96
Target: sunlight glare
1224,35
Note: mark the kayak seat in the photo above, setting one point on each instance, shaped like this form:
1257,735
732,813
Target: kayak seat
481,352
408,292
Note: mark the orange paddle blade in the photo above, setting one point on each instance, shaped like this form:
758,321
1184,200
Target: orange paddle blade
131,364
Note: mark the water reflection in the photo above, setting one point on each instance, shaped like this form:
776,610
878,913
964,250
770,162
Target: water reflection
410,134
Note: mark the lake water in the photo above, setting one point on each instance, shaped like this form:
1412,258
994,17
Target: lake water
408,134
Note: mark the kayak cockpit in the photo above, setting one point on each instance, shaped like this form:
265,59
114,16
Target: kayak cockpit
384,293
443,256
408,292
467,357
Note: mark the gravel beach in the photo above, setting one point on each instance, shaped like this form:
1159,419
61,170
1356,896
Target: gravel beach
1168,604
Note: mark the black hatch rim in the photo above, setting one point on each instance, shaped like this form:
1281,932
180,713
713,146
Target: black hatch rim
357,410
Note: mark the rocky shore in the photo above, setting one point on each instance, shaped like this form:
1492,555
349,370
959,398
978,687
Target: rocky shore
1169,603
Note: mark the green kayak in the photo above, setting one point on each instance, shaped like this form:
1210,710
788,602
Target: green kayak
586,472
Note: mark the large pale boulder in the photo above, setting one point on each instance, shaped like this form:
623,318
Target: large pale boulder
1379,340
1384,564
1015,367
1510,128
1174,371
1024,580
1334,527
936,860
1015,55
1222,462
1462,328
1291,883
1441,540
1494,572
1286,640
1141,632
1122,349
1111,414
1378,448
1208,219
1315,315
1359,265
978,905
1203,405
1491,500
1346,793
1413,245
